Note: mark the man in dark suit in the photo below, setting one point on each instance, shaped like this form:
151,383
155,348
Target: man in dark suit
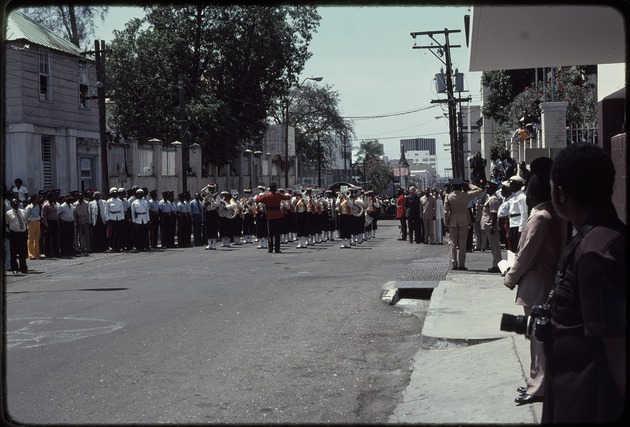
412,205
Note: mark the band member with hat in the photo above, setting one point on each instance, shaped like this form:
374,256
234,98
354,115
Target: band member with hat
183,221
261,222
272,201
301,218
227,212
211,218
345,219
248,207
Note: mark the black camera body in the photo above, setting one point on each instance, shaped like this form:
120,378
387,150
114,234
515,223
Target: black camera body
537,324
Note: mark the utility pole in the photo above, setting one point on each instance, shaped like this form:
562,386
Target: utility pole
182,132
99,55
445,50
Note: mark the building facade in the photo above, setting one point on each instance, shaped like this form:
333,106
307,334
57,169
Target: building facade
51,132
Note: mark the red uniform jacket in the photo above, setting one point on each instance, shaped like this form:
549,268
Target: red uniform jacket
272,204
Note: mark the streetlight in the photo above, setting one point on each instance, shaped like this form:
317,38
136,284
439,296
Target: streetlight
249,153
286,132
257,155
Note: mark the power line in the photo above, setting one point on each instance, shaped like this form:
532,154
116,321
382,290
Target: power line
380,116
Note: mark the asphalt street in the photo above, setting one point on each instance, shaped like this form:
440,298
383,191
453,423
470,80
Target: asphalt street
235,335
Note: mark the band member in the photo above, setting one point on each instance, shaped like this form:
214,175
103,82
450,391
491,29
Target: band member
345,219
301,218
357,211
274,215
289,218
211,212
227,213
261,222
237,221
248,207
331,215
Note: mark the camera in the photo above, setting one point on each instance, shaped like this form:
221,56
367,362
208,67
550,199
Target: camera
536,325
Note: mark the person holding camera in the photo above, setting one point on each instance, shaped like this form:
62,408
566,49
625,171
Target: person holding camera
534,270
586,350
457,219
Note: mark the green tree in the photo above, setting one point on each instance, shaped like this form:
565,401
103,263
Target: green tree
235,61
319,126
368,159
72,22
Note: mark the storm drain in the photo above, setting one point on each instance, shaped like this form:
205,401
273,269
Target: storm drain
416,289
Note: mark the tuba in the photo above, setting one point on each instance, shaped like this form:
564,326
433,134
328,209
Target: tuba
226,211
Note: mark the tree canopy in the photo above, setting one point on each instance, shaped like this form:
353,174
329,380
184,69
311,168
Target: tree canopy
234,61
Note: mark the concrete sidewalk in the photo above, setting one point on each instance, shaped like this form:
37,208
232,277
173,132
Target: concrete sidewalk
468,370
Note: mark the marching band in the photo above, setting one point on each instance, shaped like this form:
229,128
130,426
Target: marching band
309,217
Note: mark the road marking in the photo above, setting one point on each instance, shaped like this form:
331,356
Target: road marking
30,332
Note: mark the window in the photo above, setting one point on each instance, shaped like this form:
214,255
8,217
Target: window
47,164
84,84
145,162
45,79
168,162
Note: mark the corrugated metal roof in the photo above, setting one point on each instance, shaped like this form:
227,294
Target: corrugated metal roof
21,27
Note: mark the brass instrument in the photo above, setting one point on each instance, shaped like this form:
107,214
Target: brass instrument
226,211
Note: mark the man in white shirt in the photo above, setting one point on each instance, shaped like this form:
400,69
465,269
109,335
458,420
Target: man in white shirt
98,220
21,191
15,221
66,226
115,219
140,220
518,210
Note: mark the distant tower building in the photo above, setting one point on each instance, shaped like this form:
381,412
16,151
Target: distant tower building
403,169
419,144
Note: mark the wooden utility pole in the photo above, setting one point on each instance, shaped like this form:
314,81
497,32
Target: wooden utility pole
457,154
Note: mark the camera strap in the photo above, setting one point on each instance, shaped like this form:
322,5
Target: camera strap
564,261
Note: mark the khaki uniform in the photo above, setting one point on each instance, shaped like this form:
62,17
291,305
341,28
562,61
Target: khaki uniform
457,218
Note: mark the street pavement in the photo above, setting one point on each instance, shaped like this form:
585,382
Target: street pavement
467,370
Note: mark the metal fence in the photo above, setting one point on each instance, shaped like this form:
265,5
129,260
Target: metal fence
582,134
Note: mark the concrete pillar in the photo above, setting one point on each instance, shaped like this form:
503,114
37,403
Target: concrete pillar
554,124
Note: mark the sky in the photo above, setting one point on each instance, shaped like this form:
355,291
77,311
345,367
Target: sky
366,55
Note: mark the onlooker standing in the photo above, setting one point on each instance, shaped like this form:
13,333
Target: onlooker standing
477,168
115,220
428,216
439,218
586,353
412,212
84,227
33,215
457,219
98,220
50,222
140,220
517,209
400,214
490,224
196,211
15,220
534,270
480,235
66,226
21,191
